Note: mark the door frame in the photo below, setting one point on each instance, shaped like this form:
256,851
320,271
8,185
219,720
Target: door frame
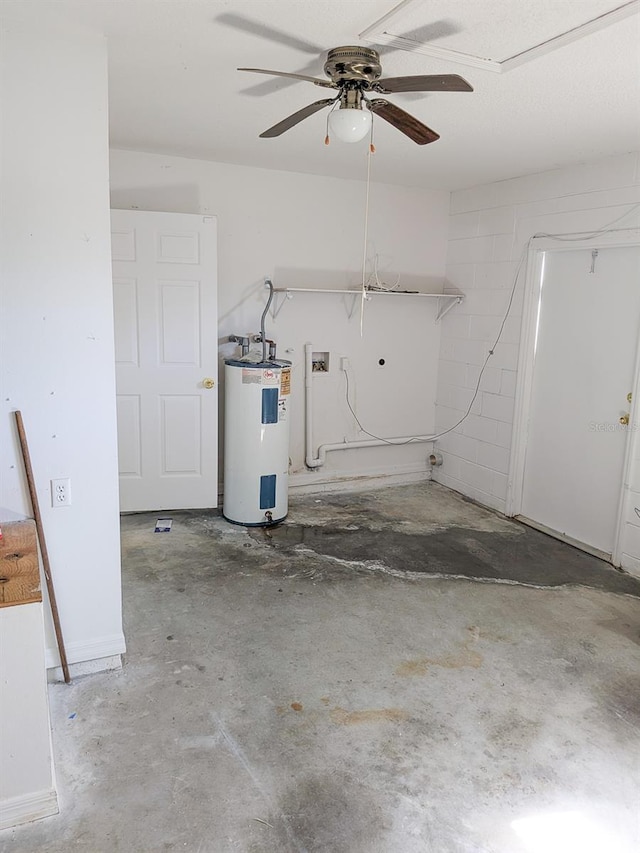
537,247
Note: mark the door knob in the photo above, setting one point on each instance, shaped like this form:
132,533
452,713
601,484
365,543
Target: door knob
208,383
624,420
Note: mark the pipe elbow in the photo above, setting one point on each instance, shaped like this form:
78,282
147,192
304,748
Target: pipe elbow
312,463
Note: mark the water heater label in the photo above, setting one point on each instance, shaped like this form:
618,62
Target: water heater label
251,377
285,382
282,409
270,377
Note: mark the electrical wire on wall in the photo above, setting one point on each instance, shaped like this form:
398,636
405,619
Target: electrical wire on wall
572,238
374,283
523,257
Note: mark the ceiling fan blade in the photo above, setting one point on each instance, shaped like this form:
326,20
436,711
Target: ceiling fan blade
407,124
254,28
269,85
295,118
423,83
328,84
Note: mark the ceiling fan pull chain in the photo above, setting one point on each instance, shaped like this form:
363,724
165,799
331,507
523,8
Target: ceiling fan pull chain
327,139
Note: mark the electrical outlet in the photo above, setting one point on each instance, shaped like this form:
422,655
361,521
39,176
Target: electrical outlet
61,492
344,363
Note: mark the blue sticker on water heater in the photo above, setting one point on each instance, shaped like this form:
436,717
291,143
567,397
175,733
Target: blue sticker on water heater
270,405
268,491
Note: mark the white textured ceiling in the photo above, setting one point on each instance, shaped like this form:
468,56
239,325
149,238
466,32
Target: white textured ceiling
174,88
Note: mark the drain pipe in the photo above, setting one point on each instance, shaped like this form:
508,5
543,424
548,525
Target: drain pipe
318,461
310,462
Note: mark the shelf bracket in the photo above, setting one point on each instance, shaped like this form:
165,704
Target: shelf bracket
279,299
443,309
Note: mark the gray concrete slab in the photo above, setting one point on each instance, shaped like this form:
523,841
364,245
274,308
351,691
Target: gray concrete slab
432,530
277,696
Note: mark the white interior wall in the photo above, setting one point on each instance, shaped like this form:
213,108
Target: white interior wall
489,226
307,231
57,363
27,788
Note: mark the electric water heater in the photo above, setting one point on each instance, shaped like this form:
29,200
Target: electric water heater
256,428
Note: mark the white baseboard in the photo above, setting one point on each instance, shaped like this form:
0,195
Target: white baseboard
477,495
85,667
28,807
94,655
308,482
318,480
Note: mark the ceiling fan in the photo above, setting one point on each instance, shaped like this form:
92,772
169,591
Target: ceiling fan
356,73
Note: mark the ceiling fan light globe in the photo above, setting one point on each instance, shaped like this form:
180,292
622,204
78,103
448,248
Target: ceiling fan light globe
349,125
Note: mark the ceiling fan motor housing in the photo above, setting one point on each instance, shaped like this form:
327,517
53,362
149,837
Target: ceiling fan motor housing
359,64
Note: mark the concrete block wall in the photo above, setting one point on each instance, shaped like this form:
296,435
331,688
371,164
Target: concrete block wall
489,228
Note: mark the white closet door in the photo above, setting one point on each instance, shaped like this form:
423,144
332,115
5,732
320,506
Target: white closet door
583,370
165,308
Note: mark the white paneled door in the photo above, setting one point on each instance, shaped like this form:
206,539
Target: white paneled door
165,312
583,370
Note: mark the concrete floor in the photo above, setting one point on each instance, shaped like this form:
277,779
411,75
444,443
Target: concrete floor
327,687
